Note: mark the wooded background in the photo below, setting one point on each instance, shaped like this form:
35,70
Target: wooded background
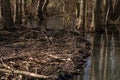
83,15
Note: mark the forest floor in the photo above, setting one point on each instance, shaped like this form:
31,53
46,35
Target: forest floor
50,54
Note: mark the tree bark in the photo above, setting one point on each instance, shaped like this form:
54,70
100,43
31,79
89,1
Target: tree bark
25,7
18,12
34,5
40,10
116,13
6,14
99,16
81,19
0,12
21,12
92,24
45,7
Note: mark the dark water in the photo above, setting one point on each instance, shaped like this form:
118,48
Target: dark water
104,64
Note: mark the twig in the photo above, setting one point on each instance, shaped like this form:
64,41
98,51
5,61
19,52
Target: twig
58,58
16,57
13,58
3,64
25,73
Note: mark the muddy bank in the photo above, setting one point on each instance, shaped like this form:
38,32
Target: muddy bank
50,55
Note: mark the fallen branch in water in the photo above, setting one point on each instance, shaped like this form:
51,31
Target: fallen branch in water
25,73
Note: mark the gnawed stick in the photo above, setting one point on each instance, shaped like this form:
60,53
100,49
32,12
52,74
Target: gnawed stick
59,58
25,73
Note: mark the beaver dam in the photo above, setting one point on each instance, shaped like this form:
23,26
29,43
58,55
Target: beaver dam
48,55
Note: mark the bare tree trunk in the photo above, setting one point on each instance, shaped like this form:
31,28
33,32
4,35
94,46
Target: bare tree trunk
0,13
13,8
81,19
45,7
113,13
77,4
40,10
99,16
110,10
18,12
25,7
92,25
86,15
107,9
89,15
7,15
34,6
20,16
116,13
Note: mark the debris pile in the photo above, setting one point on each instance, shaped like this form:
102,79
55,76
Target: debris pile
55,55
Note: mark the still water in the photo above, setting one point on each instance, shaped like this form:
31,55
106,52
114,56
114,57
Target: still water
104,63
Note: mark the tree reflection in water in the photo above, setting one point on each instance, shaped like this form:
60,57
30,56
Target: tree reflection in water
104,62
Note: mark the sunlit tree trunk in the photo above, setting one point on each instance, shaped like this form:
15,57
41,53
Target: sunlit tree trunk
13,8
112,11
92,25
7,15
81,19
107,9
45,7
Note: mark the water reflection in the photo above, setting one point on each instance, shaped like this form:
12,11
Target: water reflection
104,62
112,58
87,70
